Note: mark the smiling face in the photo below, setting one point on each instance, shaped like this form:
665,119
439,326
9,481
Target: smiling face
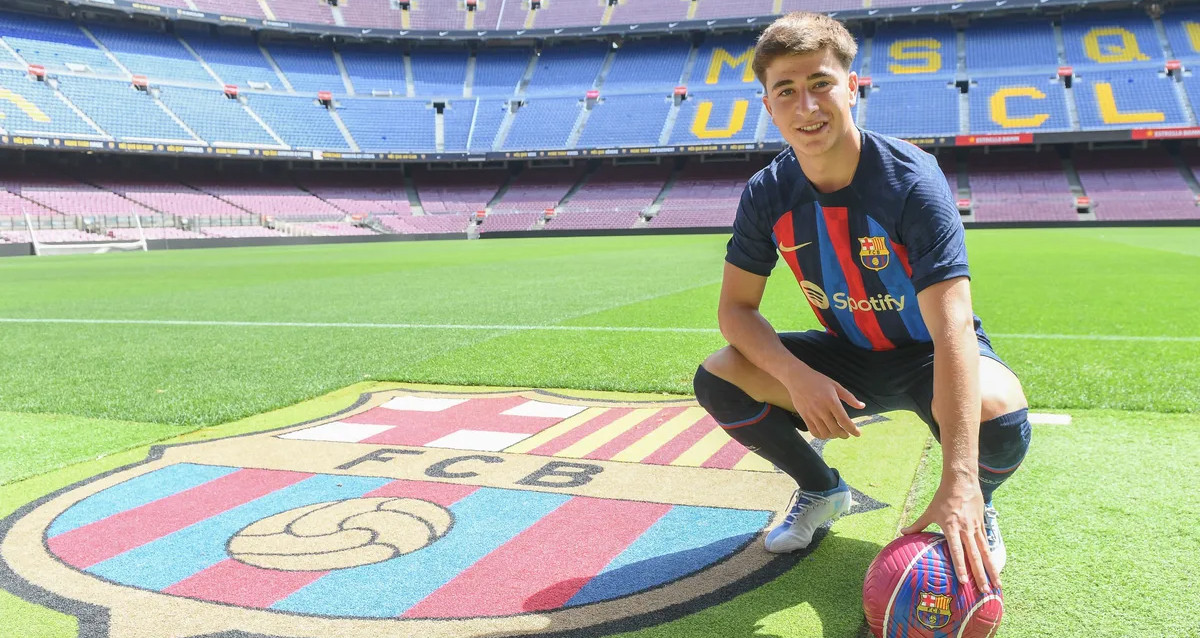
809,97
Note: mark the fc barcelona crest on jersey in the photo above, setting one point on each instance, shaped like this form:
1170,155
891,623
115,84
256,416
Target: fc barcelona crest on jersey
873,252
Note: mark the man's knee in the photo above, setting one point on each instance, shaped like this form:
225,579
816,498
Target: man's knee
726,402
1000,391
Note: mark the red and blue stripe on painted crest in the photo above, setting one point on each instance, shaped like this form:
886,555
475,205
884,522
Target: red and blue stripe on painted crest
509,551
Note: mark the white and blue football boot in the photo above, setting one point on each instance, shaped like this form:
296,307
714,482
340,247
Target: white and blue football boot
809,511
991,528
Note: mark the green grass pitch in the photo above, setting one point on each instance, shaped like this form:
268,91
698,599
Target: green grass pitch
105,354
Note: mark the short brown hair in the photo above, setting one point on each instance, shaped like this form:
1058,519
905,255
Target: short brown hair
802,32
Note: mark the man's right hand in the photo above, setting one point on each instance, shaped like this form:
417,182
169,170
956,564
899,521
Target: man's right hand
818,400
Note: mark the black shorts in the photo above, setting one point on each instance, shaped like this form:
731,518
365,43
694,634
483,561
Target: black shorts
885,380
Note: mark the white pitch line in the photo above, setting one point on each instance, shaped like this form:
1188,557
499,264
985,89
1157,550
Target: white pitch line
517,327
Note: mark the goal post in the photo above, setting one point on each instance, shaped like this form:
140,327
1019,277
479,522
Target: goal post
90,247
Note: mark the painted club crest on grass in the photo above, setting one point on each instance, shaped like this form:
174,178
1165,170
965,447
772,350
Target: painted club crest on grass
452,514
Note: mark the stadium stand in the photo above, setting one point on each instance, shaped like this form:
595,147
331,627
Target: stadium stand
609,124
156,55
360,192
511,221
705,194
538,188
235,59
303,11
650,65
380,14
374,69
308,68
917,52
725,116
215,117
124,112
300,121
459,192
247,8
999,104
913,107
1182,25
499,70
649,11
1127,99
439,72
162,195
568,69
544,122
267,195
388,124
1020,186
55,44
618,190
34,108
1003,47
1135,185
1110,39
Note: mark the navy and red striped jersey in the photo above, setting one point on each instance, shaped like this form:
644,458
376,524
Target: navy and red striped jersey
861,254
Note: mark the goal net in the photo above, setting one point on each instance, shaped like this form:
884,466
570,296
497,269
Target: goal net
93,247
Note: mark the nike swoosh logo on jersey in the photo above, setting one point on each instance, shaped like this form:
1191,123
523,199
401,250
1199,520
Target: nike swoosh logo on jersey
792,249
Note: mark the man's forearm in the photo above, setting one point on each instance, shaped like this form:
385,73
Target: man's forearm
956,403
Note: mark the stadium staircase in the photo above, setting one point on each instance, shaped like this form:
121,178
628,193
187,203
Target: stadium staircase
283,80
107,53
341,66
962,183
414,200
654,206
1185,171
592,167
216,78
337,120
1060,46
1077,189
469,81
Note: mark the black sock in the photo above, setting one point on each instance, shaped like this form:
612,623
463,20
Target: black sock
767,430
1003,442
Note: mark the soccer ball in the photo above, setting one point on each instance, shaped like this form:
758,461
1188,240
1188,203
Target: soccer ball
910,591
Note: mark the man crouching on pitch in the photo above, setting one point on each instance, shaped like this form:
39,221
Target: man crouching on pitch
868,226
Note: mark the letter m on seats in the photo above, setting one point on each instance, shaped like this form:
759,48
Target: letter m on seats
721,58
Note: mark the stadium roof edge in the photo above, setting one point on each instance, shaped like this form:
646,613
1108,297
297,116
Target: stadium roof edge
966,8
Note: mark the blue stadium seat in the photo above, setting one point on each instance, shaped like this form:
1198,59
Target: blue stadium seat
309,68
1135,98
1111,40
125,112
32,108
567,69
914,52
215,117
717,117
384,124
724,62
655,65
1002,47
301,121
156,55
456,122
1191,85
626,120
488,117
499,70
439,72
543,123
1018,103
912,108
236,60
53,44
1183,32
372,68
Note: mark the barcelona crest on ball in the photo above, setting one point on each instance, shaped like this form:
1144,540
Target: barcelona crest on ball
873,252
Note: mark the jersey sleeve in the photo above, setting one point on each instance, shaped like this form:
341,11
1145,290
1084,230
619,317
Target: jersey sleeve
751,247
932,233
